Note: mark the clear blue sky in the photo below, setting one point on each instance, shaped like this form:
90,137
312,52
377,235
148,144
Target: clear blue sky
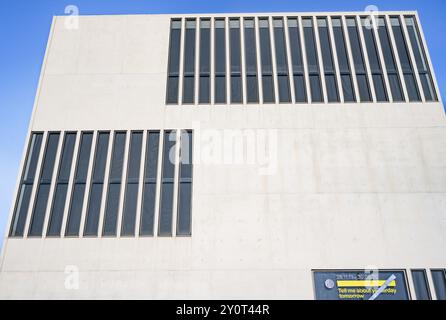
25,25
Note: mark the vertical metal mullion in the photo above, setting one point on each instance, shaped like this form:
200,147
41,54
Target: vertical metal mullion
212,62
304,58
54,178
37,175
228,61
397,57
159,169
181,71
71,182
123,181
141,183
176,182
350,58
197,57
381,58
88,183
289,59
335,59
366,58
427,56
412,57
243,62
273,58
319,59
258,59
431,285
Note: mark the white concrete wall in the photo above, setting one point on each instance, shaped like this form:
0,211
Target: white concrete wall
356,184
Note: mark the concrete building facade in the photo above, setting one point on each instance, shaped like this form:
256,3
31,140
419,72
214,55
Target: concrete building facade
336,135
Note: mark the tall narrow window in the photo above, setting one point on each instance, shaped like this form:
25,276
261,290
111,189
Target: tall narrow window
235,55
80,180
283,80
97,184
421,285
327,60
266,61
343,61
131,190
185,185
389,59
300,90
149,188
41,202
174,62
205,61
251,61
114,185
220,61
421,60
406,65
375,64
358,58
63,177
189,63
167,183
26,186
312,61
439,278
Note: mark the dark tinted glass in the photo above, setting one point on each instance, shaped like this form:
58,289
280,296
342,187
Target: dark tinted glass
26,185
251,61
312,61
439,279
174,62
58,207
421,60
94,201
220,61
235,55
327,60
281,61
185,185
389,60
166,202
406,65
77,198
131,192
149,191
38,215
189,62
297,62
205,60
358,59
421,285
114,185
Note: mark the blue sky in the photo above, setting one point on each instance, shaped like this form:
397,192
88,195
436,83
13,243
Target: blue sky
25,26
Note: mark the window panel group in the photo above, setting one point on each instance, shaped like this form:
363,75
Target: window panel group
43,188
283,81
327,58
312,61
345,56
389,60
421,60
343,61
119,173
359,62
